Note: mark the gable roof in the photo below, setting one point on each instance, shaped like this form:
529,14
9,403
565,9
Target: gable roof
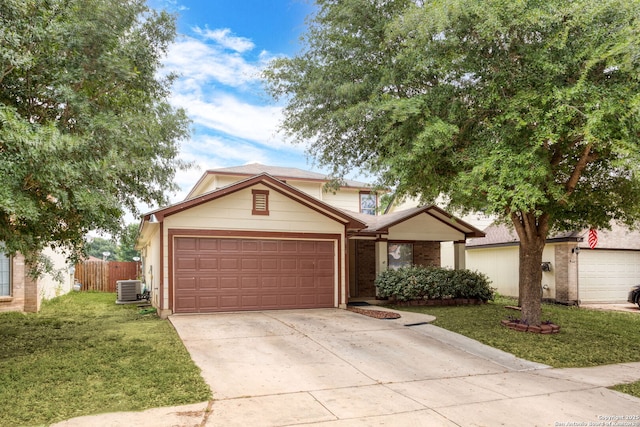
382,223
618,237
361,224
279,172
268,181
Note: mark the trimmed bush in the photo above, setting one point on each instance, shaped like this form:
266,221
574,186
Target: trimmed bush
418,282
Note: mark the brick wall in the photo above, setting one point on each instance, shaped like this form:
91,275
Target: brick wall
426,253
25,291
15,302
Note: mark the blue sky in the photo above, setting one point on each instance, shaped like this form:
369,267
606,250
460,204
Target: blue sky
221,48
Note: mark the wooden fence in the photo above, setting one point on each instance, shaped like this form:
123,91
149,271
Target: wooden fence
103,275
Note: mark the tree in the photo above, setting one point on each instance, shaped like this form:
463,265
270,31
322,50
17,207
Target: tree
86,131
120,247
127,242
528,110
98,246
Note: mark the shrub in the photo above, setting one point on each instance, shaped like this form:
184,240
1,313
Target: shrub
418,282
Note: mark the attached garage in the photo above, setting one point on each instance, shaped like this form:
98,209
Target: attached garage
607,275
258,244
232,274
262,243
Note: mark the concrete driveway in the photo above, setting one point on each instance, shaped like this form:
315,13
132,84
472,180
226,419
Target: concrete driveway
334,367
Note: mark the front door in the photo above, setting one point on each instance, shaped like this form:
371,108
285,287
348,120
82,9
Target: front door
365,269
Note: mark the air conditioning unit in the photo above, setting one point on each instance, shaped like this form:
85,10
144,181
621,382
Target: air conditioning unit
128,290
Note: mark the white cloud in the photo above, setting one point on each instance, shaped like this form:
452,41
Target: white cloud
220,89
225,39
199,63
230,115
220,151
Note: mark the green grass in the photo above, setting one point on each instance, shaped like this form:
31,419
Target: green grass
632,389
586,338
83,354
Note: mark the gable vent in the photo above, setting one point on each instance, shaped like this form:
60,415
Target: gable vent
260,202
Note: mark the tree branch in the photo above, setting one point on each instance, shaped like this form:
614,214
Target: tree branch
585,158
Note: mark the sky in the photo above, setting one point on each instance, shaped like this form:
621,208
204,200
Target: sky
221,48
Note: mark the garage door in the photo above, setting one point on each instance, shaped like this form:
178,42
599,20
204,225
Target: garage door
607,275
249,274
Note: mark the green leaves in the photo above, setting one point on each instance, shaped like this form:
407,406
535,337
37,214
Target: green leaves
416,283
86,131
489,103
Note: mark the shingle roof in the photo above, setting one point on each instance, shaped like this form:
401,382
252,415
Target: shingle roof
282,173
376,223
618,237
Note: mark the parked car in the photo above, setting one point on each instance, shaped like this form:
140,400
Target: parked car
634,295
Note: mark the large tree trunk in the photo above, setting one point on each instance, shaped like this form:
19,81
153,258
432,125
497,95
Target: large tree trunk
532,231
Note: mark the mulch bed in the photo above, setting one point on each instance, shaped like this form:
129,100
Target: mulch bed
378,314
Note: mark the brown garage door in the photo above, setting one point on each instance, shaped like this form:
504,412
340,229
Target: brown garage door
249,274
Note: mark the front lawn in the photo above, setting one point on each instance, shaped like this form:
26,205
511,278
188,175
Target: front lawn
83,354
586,338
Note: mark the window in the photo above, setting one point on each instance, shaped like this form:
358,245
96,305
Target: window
399,255
260,202
5,275
368,203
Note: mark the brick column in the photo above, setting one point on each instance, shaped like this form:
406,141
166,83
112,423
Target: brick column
32,297
566,269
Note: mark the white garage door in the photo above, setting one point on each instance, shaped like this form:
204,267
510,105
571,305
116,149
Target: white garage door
606,276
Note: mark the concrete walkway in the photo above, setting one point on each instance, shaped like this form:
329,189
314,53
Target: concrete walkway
338,368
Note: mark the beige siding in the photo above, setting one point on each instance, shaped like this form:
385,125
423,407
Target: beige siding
233,212
207,184
151,265
501,265
313,189
60,281
447,255
348,199
549,277
345,198
424,227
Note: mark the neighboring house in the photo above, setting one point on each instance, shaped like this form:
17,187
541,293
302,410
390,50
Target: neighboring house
259,237
573,273
20,292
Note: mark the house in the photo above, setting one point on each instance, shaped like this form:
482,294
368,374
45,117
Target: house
258,237
572,272
21,292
